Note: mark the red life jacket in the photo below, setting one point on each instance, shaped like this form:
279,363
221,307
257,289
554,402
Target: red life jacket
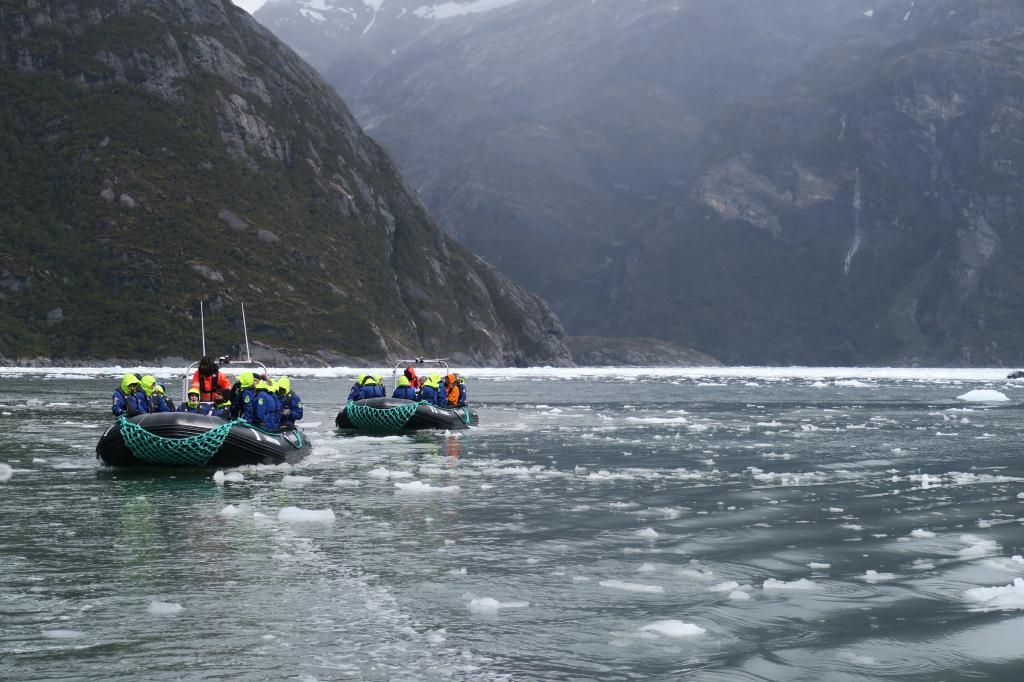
210,385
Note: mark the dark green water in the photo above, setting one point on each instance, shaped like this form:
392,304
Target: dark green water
619,525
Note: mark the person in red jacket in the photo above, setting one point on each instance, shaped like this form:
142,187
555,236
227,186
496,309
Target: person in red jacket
210,380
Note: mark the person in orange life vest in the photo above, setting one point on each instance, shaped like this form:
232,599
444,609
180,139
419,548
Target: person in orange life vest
209,379
455,390
410,374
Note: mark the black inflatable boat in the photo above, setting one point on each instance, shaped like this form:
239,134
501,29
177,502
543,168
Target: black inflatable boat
393,415
194,440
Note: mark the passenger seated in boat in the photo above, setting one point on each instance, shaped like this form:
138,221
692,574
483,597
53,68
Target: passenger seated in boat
404,390
267,416
244,407
159,388
209,379
222,405
155,402
455,390
291,403
191,404
367,386
410,374
129,400
430,390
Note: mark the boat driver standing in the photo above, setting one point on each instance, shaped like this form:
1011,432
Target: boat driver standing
209,379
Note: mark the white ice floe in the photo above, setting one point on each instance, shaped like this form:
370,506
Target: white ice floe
872,576
489,605
977,547
739,595
728,586
983,395
421,487
346,483
852,383
297,480
801,584
62,634
632,587
1006,598
819,566
6,472
233,476
232,510
385,474
921,534
647,533
297,515
164,608
646,568
673,628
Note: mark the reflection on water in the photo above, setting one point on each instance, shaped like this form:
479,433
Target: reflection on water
746,526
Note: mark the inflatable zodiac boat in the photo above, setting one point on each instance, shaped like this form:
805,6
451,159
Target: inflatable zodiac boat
195,440
392,415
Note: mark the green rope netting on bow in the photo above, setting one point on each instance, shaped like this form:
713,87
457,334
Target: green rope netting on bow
380,419
192,450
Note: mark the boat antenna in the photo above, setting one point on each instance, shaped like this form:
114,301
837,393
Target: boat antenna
202,326
245,329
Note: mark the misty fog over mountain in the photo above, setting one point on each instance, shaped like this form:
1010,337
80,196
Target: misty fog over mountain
809,181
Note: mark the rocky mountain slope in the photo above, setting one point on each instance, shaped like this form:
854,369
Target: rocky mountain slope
870,211
814,181
155,153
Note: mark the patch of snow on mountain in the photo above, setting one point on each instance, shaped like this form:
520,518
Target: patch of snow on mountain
447,10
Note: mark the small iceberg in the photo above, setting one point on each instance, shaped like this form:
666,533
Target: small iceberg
801,584
490,606
983,395
1007,598
297,515
220,478
6,472
673,628
164,608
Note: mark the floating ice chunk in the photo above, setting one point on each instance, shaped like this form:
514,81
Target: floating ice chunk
728,586
673,628
631,587
647,533
645,568
62,634
852,383
1007,598
870,13
818,566
836,510
164,608
489,605
382,473
851,526
231,510
297,515
801,584
977,547
6,472
739,595
40,460
922,534
872,576
233,476
346,483
297,480
983,395
421,487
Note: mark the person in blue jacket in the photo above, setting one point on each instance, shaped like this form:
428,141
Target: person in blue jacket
357,388
404,390
191,404
247,396
156,401
430,391
291,403
265,410
222,404
129,401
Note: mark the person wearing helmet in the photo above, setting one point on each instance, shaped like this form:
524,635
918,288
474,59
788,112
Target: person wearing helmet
356,391
191,404
454,391
404,390
246,404
155,401
291,403
410,374
430,390
129,401
209,379
265,410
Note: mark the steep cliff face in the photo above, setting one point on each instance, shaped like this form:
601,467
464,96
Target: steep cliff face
155,153
869,212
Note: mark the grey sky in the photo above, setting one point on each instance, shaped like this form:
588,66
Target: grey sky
249,6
